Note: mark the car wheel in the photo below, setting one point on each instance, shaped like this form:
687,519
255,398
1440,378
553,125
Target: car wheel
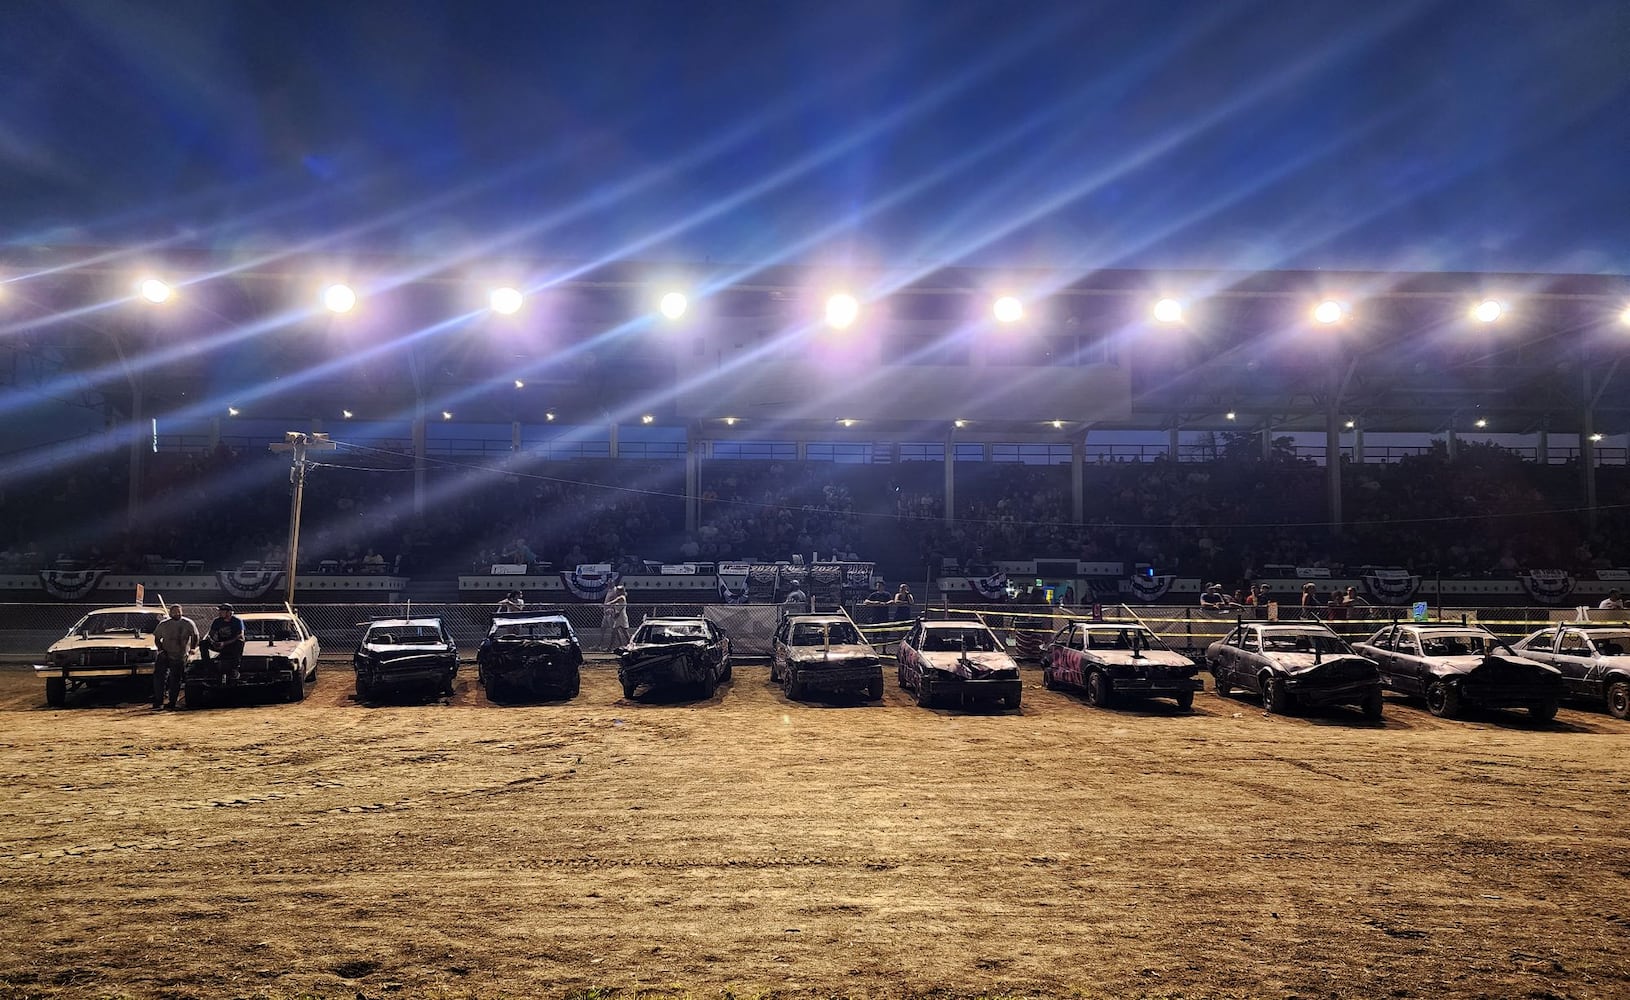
1012,701
1374,703
629,689
729,671
874,690
1443,699
1100,690
1275,699
1543,711
1618,699
1185,701
447,686
296,689
1047,678
795,689
1223,688
56,691
710,683
365,689
574,686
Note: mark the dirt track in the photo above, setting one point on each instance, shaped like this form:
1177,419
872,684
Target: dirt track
749,844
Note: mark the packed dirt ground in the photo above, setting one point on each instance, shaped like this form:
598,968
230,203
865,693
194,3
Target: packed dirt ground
750,845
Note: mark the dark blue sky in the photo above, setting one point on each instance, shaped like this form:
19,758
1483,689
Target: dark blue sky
1468,134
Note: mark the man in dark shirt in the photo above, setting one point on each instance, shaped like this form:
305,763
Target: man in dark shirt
225,640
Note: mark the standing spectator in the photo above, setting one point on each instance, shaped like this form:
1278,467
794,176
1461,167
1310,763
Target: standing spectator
614,617
902,604
796,601
512,602
1213,599
175,637
1612,602
225,640
1310,597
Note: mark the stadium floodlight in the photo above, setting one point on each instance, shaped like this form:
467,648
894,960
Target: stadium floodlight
1329,311
847,422
959,424
730,421
1350,424
673,305
154,290
1480,422
347,414
1058,425
1230,415
1008,309
339,298
447,414
1488,310
1168,311
549,416
505,300
841,310
1624,317
647,419
1595,437
232,411
520,384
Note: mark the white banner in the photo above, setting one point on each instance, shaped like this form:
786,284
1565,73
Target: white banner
248,585
69,584
678,569
1547,586
509,569
1150,588
1313,572
1391,586
1614,575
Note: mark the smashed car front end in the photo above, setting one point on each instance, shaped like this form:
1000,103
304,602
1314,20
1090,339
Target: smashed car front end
835,668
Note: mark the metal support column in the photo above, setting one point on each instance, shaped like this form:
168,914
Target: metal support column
1267,442
1449,443
1587,449
420,451
1332,464
1078,485
1358,443
1542,447
950,477
1173,443
515,436
693,480
611,439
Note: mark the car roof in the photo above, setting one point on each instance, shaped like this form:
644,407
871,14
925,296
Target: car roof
129,609
524,619
394,622
816,618
1291,627
674,621
955,623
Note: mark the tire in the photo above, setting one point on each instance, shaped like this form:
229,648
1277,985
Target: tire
574,686
1443,699
1223,688
1542,711
710,683
1012,701
874,690
1185,701
447,687
629,689
728,672
56,691
924,691
296,688
1275,699
197,696
1100,689
1373,706
365,689
1047,678
312,677
1618,699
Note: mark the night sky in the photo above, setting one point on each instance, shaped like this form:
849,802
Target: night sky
1459,135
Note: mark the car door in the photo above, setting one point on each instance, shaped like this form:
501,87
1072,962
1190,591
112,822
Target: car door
1379,649
906,654
778,652
1576,658
1222,661
1408,667
1248,659
1075,657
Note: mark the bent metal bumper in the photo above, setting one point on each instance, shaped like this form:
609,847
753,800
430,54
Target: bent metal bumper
823,676
1157,687
406,670
93,673
1349,693
978,688
1509,695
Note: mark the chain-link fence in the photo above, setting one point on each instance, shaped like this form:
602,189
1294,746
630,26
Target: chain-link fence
27,629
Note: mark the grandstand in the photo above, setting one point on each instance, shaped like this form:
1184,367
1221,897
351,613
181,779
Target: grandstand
928,437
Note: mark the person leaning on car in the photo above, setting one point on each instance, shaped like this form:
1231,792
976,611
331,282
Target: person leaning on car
225,640
1612,602
174,637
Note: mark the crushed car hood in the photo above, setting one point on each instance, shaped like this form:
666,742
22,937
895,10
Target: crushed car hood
270,649
1150,658
1498,668
397,652
76,644
972,664
815,654
1338,665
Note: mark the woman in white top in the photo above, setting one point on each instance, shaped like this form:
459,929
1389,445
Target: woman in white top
614,617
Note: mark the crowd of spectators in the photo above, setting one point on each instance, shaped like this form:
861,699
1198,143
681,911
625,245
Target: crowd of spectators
1486,512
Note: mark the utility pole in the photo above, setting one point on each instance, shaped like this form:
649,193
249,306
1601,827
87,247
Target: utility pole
298,443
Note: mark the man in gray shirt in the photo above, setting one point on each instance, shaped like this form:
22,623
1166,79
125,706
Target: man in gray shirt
175,637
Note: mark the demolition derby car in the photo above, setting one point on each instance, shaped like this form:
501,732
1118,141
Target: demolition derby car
957,662
398,652
1594,661
824,653
109,645
529,654
675,651
279,652
1292,665
1109,659
1456,666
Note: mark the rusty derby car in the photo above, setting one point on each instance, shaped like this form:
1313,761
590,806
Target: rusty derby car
825,653
280,656
675,652
957,663
1462,666
527,654
1594,661
401,652
1110,659
107,646
1292,665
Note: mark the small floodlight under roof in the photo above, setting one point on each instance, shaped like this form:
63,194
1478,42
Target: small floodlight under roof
673,305
1168,311
841,310
1595,437
1058,425
730,421
1488,310
1008,309
447,414
505,300
347,414
1480,422
520,383
154,290
647,419
1329,311
232,411
1350,424
339,298
1230,415
847,422
959,423
549,415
